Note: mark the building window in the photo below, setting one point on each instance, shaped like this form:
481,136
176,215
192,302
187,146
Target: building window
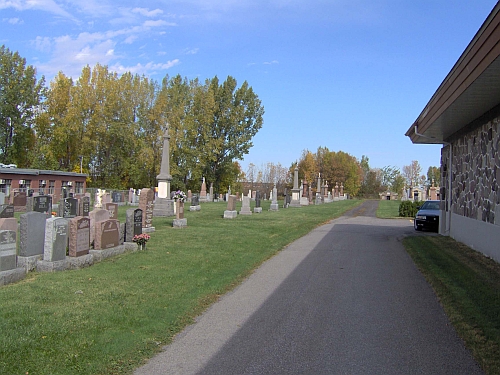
52,185
41,186
5,187
79,187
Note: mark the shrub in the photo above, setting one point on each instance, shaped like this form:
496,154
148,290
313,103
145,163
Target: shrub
409,208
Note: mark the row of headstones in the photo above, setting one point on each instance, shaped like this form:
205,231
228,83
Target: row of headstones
51,237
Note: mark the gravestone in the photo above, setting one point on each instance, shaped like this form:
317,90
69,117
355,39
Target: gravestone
84,206
69,208
79,236
133,224
113,210
107,234
56,239
19,201
195,203
203,191
245,206
6,211
96,215
116,197
180,221
274,202
43,204
231,212
257,209
8,257
285,200
146,204
32,234
210,198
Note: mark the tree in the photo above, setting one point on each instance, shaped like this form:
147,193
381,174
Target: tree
412,173
21,95
237,117
434,176
335,167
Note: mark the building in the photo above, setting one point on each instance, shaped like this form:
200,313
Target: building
54,183
464,116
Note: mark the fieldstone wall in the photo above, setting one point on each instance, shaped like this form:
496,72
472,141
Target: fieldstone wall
475,173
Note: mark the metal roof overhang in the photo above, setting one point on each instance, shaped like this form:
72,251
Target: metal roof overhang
471,89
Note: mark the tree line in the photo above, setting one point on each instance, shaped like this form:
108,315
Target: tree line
110,126
357,177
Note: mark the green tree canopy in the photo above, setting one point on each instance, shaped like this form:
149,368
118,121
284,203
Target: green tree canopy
21,95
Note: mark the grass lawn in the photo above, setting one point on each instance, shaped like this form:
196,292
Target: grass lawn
388,209
109,318
468,286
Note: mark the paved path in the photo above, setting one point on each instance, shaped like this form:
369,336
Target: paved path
345,299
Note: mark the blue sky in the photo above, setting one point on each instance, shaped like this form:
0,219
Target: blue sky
350,75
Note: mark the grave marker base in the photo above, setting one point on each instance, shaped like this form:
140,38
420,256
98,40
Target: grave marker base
12,276
180,223
230,214
29,263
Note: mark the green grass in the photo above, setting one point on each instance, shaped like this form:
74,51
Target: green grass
388,209
468,286
109,318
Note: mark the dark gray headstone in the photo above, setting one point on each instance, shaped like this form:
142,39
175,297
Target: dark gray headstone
56,239
137,221
195,200
133,223
32,233
43,204
257,199
70,208
6,211
8,256
84,206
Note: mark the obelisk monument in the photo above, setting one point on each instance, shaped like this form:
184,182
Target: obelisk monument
164,206
296,190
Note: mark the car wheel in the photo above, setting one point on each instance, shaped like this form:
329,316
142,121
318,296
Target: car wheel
416,226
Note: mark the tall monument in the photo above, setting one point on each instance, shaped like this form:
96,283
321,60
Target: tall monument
164,206
296,190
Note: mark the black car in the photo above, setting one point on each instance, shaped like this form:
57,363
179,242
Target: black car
427,216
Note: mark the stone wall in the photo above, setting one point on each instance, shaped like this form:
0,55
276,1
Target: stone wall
475,172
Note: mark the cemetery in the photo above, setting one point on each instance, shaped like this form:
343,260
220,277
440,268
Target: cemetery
131,283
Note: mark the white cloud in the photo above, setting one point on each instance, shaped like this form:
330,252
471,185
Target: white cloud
271,62
157,23
130,39
192,51
148,68
146,12
13,21
44,5
42,44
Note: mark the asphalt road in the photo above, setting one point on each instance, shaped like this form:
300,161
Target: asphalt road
345,299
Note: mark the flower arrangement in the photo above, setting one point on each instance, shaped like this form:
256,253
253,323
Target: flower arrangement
180,196
141,239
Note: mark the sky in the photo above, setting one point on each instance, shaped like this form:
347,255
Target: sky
349,75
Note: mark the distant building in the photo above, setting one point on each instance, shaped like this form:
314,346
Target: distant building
34,181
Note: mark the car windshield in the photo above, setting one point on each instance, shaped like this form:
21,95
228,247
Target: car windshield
430,206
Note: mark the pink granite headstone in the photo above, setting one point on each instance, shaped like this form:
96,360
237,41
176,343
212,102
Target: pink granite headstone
107,234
